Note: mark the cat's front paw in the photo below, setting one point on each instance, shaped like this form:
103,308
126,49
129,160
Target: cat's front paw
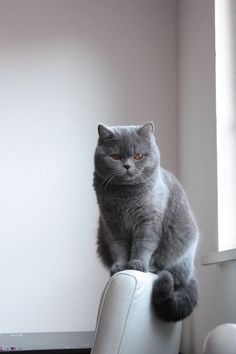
136,264
116,268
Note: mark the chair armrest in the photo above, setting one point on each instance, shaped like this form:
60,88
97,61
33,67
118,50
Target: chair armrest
126,323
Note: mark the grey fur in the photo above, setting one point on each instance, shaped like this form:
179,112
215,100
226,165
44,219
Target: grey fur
145,221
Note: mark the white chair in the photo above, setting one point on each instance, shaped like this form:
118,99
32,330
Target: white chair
221,340
126,323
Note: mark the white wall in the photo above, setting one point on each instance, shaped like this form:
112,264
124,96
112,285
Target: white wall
198,170
65,66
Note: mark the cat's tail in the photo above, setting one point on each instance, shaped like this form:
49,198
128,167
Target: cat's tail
173,303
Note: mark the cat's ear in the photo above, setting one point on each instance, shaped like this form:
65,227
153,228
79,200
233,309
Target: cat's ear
147,129
104,132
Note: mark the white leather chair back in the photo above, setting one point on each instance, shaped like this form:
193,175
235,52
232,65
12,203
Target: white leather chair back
126,323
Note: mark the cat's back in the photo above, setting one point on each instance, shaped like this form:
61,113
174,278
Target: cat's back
172,183
178,210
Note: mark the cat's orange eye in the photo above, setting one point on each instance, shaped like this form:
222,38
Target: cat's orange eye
138,156
115,156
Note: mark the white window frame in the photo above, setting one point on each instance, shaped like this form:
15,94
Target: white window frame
225,39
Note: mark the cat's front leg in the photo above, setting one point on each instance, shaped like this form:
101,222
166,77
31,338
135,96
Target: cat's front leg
144,243
138,264
120,255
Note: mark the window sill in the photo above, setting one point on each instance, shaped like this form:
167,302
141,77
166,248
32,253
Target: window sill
219,257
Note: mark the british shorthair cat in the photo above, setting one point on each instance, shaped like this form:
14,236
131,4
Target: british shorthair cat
145,221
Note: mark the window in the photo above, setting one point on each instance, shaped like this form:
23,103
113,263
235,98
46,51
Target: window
225,31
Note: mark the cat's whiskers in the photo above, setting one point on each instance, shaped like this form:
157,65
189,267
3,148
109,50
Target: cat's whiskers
140,178
110,178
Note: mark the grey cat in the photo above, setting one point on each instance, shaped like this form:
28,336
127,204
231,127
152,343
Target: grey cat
145,219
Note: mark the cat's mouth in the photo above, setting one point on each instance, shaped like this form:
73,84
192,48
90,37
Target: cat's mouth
130,176
130,173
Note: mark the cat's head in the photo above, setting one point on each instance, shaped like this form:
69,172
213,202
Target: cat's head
126,154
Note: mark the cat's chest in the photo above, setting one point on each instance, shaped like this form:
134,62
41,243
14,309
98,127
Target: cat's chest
121,209
129,214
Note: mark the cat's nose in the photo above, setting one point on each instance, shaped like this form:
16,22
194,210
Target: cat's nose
127,166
